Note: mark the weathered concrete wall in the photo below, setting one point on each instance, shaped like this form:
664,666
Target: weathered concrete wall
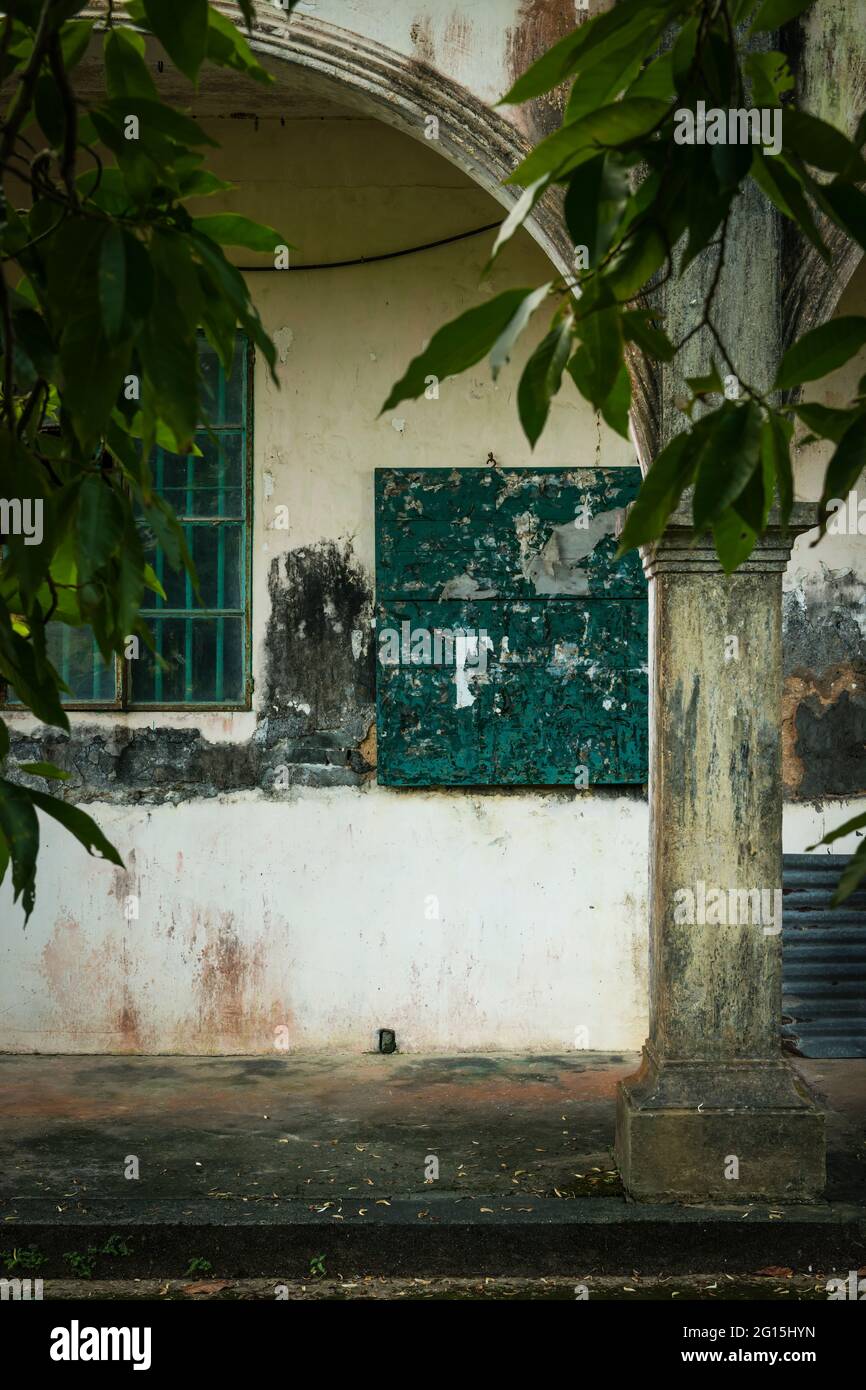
463,920
824,702
467,922
312,909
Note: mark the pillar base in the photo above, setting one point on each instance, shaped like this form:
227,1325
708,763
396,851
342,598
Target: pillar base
681,1124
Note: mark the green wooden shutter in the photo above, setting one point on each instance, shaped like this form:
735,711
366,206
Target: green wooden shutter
527,557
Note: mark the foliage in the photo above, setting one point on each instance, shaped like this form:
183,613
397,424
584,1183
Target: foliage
82,1263
106,281
641,202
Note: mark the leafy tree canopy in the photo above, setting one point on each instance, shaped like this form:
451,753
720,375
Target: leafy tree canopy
649,180
107,280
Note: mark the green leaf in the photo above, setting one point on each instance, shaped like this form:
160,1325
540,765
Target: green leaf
683,52
99,526
139,279
754,502
820,144
49,110
155,117
776,434
170,537
21,479
516,217
770,76
232,287
652,341
33,338
594,202
708,384
32,678
47,770
635,263
227,48
824,420
167,346
847,827
774,13
598,361
656,80
628,29
668,476
458,345
821,351
615,409
231,229
551,68
126,70
734,539
93,371
74,39
85,830
852,875
847,205
182,29
730,456
20,830
785,192
500,353
605,80
112,282
845,467
855,870
620,123
201,183
541,379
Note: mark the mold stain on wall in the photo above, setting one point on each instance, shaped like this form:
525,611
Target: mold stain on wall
314,721
824,699
540,24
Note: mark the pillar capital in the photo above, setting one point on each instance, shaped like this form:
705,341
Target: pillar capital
679,552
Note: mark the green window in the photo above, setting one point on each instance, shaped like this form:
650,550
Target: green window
206,645
511,642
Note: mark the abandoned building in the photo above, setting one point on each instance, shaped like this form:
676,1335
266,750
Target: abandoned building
476,853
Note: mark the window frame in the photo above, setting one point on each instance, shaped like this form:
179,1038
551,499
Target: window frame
122,703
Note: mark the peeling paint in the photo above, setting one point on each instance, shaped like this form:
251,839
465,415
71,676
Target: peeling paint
283,339
555,568
824,700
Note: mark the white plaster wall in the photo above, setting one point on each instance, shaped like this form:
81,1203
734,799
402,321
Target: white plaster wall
317,916
481,44
315,913
308,912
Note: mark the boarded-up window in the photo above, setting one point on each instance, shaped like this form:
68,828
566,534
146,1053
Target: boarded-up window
511,643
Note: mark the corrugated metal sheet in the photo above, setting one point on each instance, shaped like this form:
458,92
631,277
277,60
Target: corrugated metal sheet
823,960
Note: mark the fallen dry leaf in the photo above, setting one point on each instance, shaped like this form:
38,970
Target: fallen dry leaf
208,1286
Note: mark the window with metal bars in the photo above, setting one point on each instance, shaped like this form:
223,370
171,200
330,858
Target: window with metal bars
205,646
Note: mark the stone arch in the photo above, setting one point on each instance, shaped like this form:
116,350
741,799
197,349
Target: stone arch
403,92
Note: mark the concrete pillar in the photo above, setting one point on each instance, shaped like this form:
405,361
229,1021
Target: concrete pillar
715,1112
